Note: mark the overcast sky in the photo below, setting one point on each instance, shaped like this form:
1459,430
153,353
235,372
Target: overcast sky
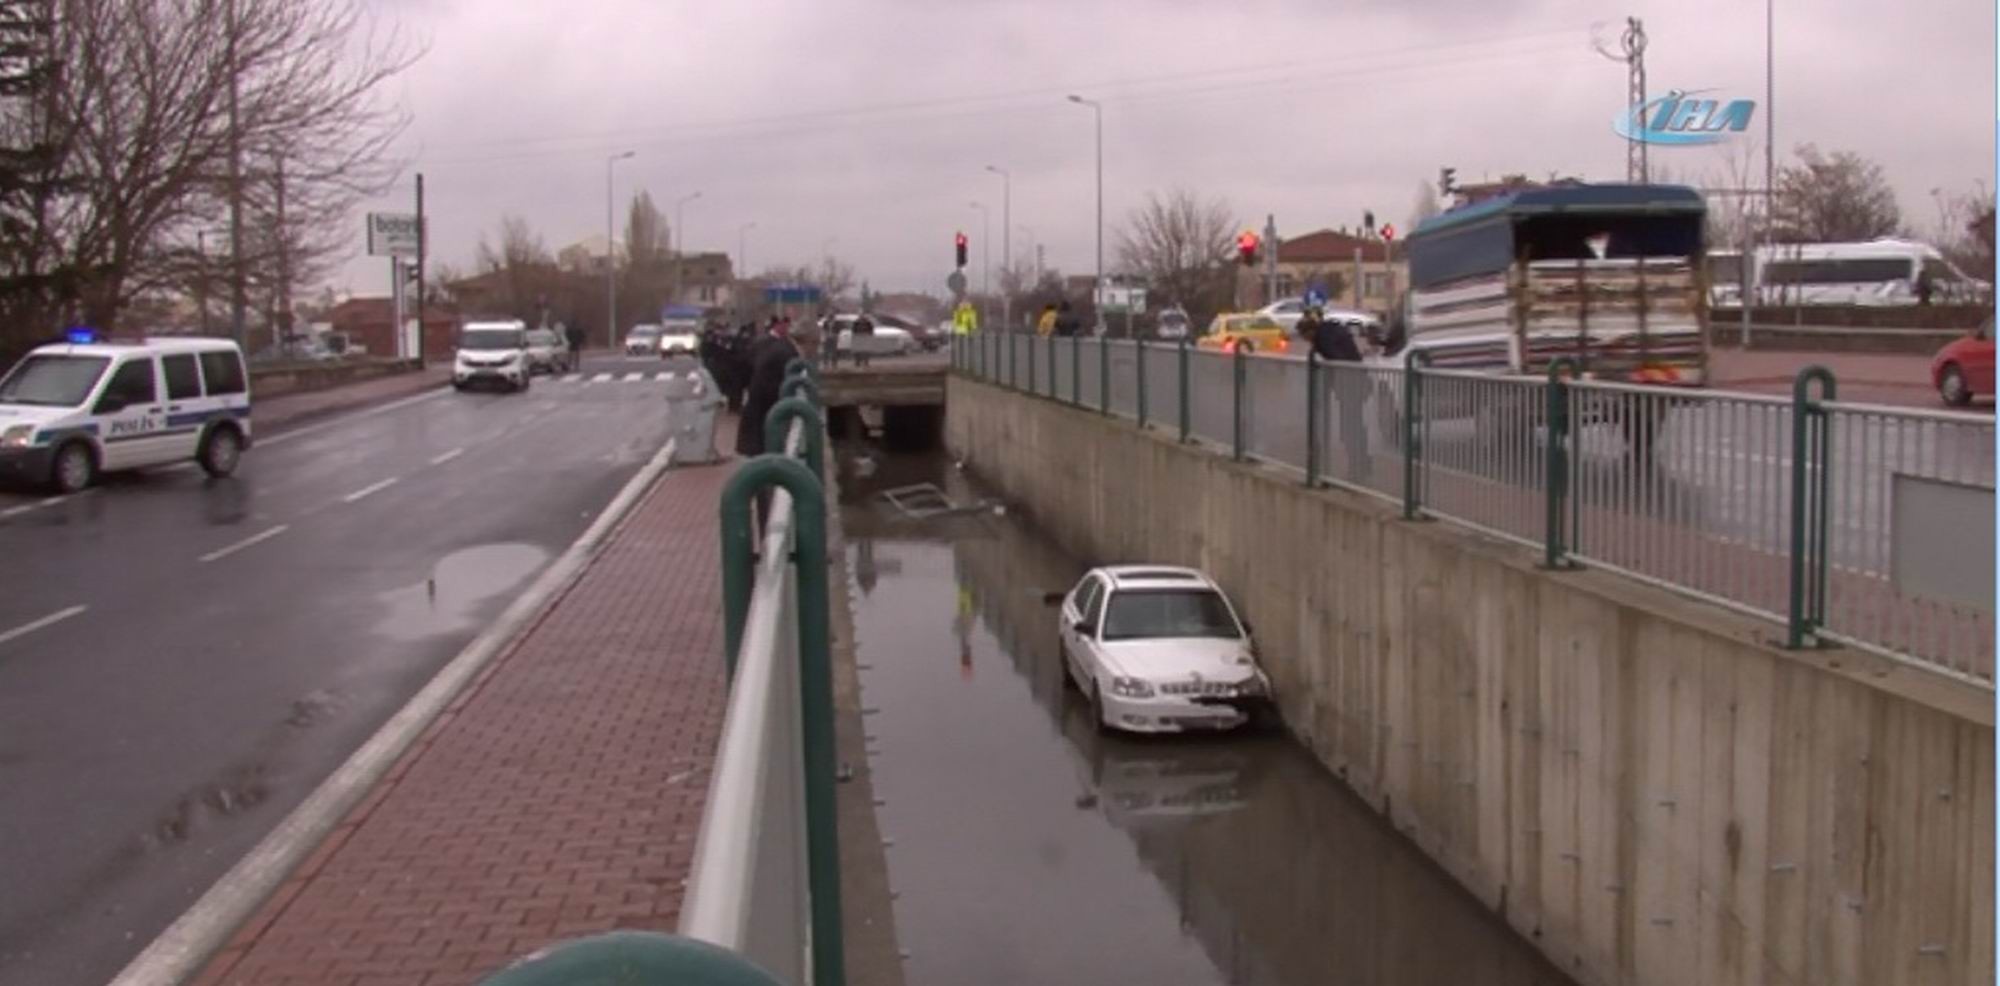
864,127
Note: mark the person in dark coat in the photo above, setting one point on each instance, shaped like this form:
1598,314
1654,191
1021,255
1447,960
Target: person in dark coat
1334,342
574,335
1067,324
768,359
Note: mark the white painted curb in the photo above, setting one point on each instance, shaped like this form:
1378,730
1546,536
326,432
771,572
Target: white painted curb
180,952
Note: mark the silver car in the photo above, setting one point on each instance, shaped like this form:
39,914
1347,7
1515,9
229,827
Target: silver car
548,351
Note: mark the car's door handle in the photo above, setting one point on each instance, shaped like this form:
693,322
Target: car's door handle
173,407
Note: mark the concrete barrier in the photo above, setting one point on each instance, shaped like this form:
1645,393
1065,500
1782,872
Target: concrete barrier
273,380
1645,786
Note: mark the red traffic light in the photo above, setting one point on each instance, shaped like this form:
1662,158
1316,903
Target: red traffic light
1388,231
1246,247
958,243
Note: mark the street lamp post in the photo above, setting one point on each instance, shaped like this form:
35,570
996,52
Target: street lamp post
1006,243
1034,247
680,240
985,258
742,262
1097,278
611,257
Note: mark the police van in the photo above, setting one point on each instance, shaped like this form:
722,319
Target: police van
72,410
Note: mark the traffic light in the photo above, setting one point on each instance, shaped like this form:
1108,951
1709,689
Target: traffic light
1446,184
1246,248
960,243
1368,220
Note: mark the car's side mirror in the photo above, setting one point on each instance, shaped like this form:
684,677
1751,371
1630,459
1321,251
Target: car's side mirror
1084,628
1053,598
1247,631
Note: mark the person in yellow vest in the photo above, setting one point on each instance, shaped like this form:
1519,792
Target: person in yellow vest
1046,324
965,319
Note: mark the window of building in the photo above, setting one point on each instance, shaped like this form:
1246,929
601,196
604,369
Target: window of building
1375,283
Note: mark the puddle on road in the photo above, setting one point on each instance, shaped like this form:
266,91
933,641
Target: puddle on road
238,791
458,584
1027,848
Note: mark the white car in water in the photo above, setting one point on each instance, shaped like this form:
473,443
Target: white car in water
885,340
1159,650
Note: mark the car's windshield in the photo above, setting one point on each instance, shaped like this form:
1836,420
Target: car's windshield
1139,614
52,380
644,332
541,337
491,339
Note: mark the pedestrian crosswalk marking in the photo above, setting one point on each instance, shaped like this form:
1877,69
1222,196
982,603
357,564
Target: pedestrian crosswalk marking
600,378
661,376
635,376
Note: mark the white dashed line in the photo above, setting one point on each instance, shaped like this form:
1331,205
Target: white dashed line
38,504
634,377
368,490
600,378
572,377
27,628
447,457
245,543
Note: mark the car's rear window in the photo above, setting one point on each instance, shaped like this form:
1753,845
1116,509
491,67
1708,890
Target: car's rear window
222,373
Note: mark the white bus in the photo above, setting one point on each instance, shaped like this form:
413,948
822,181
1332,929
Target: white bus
1882,272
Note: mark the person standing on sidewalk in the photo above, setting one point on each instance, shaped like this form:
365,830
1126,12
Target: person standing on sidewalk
768,360
576,337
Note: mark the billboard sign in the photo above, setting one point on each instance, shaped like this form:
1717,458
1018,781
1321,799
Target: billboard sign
393,234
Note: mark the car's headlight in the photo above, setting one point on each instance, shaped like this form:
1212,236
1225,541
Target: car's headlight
19,436
1132,687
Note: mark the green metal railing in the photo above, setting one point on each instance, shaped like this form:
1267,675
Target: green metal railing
762,906
1770,506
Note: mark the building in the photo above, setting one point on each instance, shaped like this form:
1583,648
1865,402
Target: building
368,323
703,279
586,256
1331,259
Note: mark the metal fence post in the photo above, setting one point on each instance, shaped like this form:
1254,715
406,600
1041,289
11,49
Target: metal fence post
1811,441
1237,370
815,671
1187,420
1555,552
1139,347
1104,374
1030,344
1312,417
1052,366
1075,370
1013,362
1413,399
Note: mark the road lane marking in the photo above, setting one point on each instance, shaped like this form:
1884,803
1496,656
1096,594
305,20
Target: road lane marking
600,378
370,489
572,377
27,628
634,377
46,501
245,543
447,457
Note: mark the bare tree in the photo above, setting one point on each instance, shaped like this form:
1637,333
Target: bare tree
1179,244
834,277
138,121
1830,198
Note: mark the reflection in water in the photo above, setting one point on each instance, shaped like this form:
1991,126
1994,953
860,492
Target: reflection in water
1028,848
445,602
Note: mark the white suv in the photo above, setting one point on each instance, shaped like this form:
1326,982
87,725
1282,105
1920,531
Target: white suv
492,353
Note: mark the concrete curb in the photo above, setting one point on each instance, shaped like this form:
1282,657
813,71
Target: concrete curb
181,951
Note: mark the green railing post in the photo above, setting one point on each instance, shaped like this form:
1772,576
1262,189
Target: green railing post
632,957
1312,417
778,422
797,385
1104,374
1139,346
815,668
1075,370
1238,367
798,367
1413,400
1810,485
1030,342
1187,419
1013,363
1555,552
1052,366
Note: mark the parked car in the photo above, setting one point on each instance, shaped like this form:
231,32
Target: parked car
886,340
548,351
643,340
1963,369
1284,311
924,338
1252,333
679,338
1172,325
1159,650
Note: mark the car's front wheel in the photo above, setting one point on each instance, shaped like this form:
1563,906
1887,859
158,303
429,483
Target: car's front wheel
1952,386
220,452
74,469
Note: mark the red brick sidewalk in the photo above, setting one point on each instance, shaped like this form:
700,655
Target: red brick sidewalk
278,412
558,797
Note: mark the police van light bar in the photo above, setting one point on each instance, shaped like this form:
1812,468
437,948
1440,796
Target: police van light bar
81,336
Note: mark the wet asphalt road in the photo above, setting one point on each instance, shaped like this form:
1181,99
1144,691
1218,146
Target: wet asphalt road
1027,849
239,638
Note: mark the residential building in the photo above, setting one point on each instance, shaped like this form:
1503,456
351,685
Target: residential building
704,279
586,256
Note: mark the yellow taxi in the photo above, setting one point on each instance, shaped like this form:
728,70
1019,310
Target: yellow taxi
1251,333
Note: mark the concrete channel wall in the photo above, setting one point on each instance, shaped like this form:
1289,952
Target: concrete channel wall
1644,785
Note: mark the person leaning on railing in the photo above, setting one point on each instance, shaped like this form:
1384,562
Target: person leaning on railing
1334,342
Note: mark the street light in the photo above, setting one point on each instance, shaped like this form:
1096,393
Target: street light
680,238
985,252
611,257
1006,241
1034,247
1097,279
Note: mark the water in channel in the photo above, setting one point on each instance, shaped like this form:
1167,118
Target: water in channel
1026,848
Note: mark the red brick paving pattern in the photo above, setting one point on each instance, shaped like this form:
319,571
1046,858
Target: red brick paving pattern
558,797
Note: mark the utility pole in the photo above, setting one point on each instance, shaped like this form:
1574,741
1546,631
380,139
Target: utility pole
611,258
423,243
985,260
1270,258
1097,278
1635,63
281,325
201,279
238,300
